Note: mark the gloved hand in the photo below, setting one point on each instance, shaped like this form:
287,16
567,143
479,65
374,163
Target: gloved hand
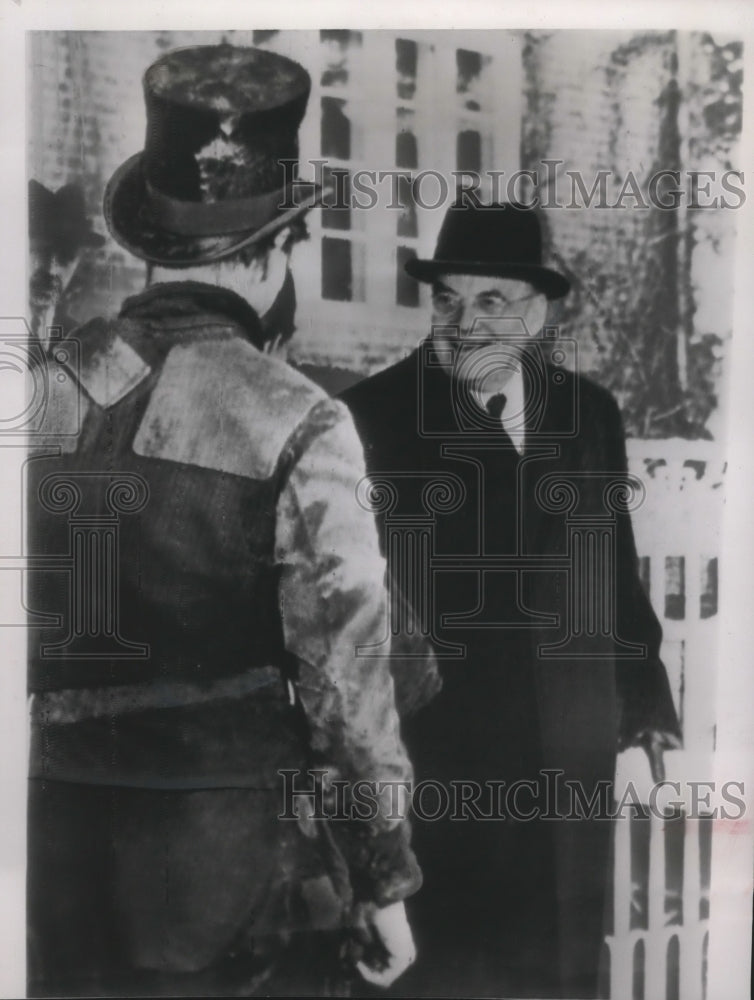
654,742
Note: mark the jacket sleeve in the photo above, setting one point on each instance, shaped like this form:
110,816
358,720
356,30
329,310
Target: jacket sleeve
333,606
413,664
644,697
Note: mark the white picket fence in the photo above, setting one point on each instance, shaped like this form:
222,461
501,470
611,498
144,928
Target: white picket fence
657,949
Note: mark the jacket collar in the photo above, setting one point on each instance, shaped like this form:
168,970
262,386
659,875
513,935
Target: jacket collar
112,363
187,303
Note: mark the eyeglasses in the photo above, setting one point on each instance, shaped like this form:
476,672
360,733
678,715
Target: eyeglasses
447,303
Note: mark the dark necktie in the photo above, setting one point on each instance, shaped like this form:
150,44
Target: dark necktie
500,484
496,404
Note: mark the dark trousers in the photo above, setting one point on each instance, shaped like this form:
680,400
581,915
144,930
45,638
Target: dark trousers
485,920
134,892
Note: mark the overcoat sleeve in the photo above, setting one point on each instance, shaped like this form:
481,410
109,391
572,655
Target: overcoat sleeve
413,663
644,697
333,605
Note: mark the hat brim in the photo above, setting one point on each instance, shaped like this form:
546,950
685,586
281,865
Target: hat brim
549,282
127,214
76,239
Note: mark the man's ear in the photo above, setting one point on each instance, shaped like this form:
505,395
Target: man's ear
538,314
274,346
281,237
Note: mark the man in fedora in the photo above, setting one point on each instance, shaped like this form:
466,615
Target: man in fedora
199,650
58,233
535,701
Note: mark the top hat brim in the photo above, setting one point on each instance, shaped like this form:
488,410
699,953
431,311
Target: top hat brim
132,224
544,279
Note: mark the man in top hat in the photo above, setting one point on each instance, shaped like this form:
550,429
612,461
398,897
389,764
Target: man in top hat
534,696
218,581
58,233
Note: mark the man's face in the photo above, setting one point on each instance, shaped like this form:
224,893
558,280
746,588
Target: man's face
50,274
486,316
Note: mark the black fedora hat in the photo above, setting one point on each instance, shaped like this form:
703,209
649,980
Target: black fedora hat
57,219
499,240
219,155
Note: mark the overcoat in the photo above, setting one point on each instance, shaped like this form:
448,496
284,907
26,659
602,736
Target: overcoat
530,568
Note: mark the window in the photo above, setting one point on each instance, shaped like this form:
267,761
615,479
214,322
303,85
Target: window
400,103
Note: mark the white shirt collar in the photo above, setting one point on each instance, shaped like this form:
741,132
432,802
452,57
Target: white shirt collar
512,416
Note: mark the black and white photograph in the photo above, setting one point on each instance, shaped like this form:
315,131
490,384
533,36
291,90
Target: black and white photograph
377,551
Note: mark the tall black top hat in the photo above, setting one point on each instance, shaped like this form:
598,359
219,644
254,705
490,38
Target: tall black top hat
503,241
57,220
220,149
